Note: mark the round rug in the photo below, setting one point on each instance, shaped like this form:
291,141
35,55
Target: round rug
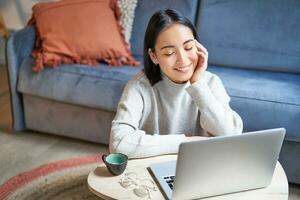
65,179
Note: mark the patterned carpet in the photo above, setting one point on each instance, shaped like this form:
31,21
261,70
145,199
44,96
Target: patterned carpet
65,179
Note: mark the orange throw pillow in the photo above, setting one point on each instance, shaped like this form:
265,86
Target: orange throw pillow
79,31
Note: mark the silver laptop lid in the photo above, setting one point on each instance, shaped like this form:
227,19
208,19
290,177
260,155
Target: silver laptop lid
228,164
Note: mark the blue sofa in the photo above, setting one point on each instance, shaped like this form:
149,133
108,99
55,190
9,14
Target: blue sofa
253,47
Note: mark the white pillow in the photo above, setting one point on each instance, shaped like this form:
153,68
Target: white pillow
127,9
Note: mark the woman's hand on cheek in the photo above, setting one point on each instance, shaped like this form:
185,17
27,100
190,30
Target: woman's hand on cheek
202,62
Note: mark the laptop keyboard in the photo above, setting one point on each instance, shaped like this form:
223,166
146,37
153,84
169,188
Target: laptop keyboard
170,181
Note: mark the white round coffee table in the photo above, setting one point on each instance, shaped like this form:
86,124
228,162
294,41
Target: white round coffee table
106,186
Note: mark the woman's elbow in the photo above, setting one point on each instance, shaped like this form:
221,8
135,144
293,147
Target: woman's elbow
237,126
116,148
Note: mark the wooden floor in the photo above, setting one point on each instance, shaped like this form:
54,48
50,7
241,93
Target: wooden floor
21,151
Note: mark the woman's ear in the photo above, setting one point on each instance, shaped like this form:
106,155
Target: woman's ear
152,56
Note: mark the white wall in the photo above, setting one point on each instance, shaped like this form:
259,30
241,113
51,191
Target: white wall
16,13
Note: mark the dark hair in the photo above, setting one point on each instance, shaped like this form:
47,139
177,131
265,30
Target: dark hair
160,20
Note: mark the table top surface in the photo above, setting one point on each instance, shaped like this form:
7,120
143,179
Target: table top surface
107,186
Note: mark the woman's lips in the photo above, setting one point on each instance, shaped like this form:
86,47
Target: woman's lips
183,69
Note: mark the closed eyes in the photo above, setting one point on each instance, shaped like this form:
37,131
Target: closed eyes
188,49
171,53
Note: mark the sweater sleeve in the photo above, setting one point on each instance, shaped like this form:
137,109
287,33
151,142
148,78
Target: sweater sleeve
127,138
217,118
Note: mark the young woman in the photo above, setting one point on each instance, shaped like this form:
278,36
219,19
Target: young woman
174,99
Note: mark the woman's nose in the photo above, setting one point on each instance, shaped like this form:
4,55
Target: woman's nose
182,58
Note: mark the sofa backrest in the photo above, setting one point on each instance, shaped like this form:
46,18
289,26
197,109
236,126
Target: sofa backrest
255,34
146,8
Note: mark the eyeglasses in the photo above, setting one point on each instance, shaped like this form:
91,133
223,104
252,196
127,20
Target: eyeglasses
142,187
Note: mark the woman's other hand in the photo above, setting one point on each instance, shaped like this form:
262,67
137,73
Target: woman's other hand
202,62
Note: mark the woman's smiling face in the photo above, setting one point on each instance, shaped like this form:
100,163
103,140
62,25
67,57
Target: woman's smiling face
175,52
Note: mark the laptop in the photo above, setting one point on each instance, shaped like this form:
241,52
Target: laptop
220,165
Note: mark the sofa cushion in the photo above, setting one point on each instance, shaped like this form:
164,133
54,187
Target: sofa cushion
145,9
96,35
251,34
264,99
99,86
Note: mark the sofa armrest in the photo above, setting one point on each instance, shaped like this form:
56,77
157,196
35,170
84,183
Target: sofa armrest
19,45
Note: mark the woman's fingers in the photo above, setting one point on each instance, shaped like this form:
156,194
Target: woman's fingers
202,54
200,47
202,62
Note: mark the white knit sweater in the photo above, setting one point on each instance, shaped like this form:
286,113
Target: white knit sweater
154,120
